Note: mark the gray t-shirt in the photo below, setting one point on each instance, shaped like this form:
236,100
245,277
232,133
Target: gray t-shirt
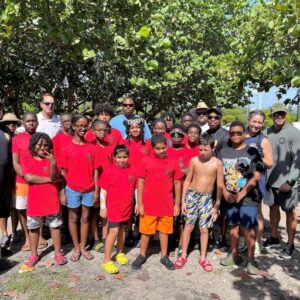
238,168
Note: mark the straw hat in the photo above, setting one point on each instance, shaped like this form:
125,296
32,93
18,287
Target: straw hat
10,117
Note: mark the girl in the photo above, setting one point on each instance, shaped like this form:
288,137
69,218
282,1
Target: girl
160,127
116,202
137,145
100,130
40,172
80,162
255,138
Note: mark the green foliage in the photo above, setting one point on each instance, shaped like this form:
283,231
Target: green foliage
166,54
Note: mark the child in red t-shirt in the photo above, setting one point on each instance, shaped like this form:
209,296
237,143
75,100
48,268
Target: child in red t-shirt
192,145
40,172
105,150
116,201
158,174
80,163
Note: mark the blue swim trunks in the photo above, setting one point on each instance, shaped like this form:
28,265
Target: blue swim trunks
199,205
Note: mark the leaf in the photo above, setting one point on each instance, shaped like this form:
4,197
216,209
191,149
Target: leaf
144,32
120,276
218,252
215,296
88,54
188,273
48,264
55,285
73,277
296,81
10,293
100,277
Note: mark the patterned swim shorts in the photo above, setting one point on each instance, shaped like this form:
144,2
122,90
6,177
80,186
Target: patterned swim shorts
199,205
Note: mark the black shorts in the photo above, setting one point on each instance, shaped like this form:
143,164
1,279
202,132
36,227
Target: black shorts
117,224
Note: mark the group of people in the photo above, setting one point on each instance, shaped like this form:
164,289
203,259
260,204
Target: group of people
70,170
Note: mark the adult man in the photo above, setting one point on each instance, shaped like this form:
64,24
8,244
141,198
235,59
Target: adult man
221,135
48,122
282,177
128,109
201,116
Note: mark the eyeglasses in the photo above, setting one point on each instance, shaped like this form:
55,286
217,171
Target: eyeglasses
66,121
49,103
238,133
214,117
82,126
128,105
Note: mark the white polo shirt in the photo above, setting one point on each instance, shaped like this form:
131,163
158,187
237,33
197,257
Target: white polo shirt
50,126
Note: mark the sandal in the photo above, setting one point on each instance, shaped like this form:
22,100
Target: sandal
99,247
206,265
110,267
121,259
180,262
42,244
60,260
75,256
25,247
31,261
87,255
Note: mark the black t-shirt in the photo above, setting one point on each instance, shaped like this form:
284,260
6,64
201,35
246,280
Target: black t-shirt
221,137
238,168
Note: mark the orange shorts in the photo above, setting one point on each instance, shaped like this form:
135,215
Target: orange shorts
149,224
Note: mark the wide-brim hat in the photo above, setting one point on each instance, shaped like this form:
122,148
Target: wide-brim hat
10,117
201,106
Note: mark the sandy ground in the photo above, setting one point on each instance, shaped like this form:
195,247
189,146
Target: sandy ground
86,280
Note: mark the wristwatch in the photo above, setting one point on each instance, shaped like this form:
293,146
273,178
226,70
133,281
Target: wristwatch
291,183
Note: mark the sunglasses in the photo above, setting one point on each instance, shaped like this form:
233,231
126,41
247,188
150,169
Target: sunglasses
11,123
201,113
49,103
128,105
238,133
177,134
214,117
279,114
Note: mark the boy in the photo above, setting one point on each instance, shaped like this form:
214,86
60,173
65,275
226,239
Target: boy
197,201
242,167
157,175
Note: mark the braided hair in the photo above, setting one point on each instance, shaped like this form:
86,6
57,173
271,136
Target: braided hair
35,139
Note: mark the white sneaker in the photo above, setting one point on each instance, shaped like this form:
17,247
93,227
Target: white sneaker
257,250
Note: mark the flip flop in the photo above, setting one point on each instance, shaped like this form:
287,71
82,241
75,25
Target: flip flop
180,262
75,256
87,255
110,268
42,244
121,259
25,247
206,265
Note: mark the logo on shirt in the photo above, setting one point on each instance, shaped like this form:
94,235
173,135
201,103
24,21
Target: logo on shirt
169,172
131,179
46,170
282,140
145,151
88,156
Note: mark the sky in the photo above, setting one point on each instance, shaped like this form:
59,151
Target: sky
269,98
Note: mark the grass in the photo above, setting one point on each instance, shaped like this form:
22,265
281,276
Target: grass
34,285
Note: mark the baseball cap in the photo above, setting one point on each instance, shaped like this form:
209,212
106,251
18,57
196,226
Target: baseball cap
202,105
278,106
216,110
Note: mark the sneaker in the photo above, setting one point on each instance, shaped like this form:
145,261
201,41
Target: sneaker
138,262
252,268
242,244
257,250
271,242
229,260
167,263
5,240
287,252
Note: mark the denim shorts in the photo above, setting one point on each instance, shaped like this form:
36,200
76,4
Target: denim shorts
76,199
52,221
245,216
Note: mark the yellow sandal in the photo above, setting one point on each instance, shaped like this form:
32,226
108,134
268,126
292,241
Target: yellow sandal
110,267
122,259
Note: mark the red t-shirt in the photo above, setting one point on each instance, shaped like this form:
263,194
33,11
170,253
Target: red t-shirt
20,146
178,154
137,151
42,198
60,141
113,137
80,161
106,156
119,184
159,175
190,153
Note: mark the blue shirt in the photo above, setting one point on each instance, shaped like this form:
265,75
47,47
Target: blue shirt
117,122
